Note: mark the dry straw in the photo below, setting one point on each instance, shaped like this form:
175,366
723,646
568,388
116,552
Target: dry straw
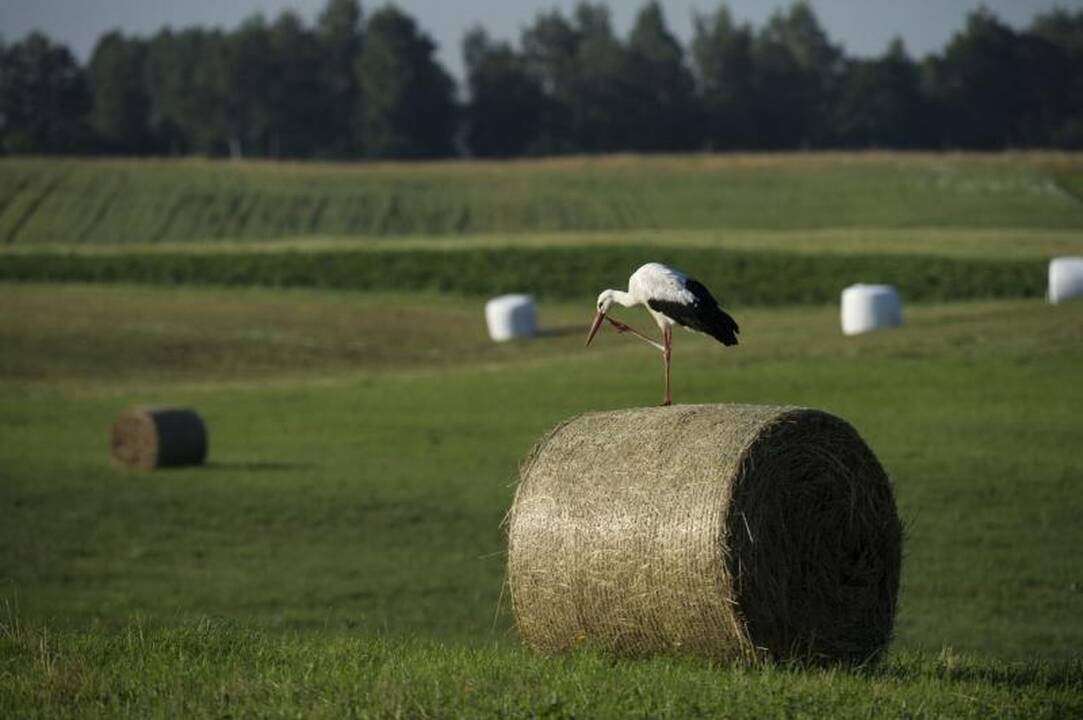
143,438
726,531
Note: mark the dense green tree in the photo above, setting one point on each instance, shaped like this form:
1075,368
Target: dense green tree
601,93
880,103
188,86
409,106
1055,75
43,99
979,86
586,73
723,62
722,57
168,71
1062,28
797,71
667,113
504,113
549,48
121,105
249,76
340,37
296,99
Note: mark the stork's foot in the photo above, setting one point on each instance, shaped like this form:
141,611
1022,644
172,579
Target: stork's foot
665,403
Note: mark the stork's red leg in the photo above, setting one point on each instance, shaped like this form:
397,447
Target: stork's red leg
622,328
667,342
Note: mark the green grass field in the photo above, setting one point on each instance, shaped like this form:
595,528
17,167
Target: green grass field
152,201
341,554
355,491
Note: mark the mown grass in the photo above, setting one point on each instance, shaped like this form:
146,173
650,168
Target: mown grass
228,334
215,669
345,536
148,201
747,277
344,496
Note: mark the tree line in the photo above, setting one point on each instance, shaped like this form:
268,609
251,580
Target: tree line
353,85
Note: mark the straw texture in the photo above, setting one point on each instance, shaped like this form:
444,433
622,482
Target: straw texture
726,531
144,438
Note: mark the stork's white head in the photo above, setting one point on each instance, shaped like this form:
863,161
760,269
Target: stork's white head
605,299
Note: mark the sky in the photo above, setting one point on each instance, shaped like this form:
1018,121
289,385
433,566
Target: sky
862,27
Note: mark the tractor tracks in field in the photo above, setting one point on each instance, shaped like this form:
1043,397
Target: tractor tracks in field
1065,189
33,205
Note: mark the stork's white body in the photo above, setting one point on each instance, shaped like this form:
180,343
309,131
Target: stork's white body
659,282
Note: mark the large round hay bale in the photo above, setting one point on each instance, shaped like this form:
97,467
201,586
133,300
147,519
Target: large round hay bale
728,531
153,437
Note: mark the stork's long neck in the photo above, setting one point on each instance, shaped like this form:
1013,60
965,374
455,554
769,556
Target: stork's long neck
622,298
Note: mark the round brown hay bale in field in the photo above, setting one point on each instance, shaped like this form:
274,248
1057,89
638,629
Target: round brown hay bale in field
727,531
151,437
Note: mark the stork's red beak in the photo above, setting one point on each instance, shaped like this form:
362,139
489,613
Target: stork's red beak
595,325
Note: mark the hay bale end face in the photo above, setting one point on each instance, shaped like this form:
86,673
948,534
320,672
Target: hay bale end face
726,531
151,437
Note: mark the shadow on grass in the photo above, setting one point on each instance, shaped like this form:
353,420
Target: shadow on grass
257,466
1054,676
1046,675
563,331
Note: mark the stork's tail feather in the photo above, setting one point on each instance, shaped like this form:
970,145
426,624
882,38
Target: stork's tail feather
723,328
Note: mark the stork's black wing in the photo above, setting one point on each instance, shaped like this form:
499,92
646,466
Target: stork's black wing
703,314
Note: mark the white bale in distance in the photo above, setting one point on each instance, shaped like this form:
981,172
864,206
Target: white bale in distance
510,317
1065,279
870,307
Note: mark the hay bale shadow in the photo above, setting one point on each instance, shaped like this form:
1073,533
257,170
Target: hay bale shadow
258,466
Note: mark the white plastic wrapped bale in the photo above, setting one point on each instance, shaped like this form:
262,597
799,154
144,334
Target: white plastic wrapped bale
870,307
510,317
1065,279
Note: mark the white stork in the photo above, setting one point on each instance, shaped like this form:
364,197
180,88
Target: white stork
671,297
